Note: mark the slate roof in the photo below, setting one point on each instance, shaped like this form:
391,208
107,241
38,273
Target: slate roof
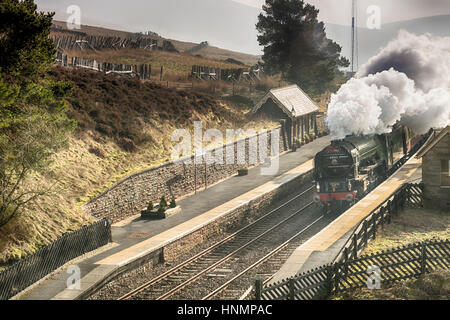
424,150
292,100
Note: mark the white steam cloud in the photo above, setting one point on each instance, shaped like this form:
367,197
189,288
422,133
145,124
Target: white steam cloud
407,82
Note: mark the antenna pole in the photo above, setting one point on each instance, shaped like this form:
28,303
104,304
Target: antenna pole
355,61
353,35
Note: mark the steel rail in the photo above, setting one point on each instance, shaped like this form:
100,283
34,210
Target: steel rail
230,255
206,251
260,261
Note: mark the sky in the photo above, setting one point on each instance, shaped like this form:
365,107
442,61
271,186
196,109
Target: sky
228,24
338,11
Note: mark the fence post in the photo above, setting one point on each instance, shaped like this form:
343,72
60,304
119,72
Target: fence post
109,222
355,247
291,289
345,261
374,226
329,280
423,262
258,288
403,196
389,211
365,233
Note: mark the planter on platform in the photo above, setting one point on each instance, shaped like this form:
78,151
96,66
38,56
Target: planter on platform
155,214
242,172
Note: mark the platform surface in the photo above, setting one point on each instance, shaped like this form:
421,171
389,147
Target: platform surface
325,245
134,237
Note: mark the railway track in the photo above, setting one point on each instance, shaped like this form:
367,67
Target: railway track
280,253
225,251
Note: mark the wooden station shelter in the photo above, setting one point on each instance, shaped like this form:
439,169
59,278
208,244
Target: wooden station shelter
436,171
294,108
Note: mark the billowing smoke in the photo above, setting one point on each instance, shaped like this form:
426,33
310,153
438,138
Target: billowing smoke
407,82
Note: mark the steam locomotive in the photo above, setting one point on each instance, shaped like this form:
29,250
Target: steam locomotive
350,168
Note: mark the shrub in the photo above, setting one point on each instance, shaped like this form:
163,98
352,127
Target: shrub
150,206
173,203
97,151
127,144
162,204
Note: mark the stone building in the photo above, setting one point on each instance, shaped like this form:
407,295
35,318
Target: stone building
436,170
294,109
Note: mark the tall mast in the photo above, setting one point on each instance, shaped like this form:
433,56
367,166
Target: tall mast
354,36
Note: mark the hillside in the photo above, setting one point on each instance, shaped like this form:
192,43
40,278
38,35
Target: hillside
124,125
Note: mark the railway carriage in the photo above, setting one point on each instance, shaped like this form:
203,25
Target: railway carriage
350,168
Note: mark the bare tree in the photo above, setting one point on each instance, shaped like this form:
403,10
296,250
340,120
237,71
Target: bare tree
26,152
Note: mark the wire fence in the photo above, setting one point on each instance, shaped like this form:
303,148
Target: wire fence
49,258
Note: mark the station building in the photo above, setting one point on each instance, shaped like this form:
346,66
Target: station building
436,171
294,109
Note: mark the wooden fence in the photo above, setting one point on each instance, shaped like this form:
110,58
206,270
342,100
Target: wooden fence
385,267
33,268
407,195
349,271
142,71
210,73
77,42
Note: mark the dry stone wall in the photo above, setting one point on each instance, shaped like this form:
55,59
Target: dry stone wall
174,178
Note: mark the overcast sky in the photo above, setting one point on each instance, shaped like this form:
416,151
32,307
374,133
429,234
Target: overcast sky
338,11
225,23
331,11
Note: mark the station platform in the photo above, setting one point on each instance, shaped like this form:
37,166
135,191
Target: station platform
323,248
134,238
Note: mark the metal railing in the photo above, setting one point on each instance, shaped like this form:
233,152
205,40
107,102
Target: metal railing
27,271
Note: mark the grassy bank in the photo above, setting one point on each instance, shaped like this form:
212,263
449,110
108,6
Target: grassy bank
124,126
433,286
410,226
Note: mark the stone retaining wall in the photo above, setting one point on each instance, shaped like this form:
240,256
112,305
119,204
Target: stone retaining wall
247,212
172,179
